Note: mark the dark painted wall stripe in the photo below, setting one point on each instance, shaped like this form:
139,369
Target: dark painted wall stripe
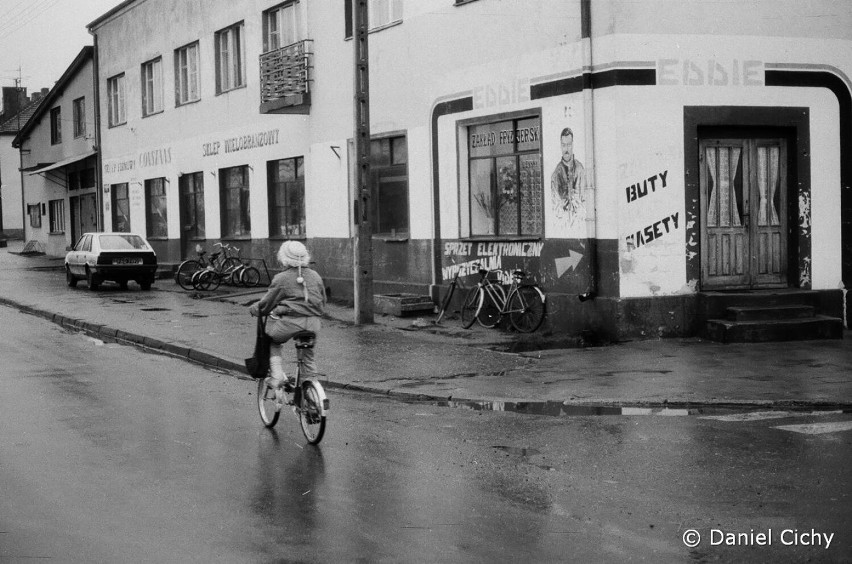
602,79
821,79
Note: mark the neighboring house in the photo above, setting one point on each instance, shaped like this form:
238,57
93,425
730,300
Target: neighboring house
644,154
17,109
59,164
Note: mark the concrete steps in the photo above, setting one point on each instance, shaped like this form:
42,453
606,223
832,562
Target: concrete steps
754,317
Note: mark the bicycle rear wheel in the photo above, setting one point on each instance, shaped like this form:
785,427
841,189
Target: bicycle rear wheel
311,416
267,404
184,272
471,307
445,303
526,308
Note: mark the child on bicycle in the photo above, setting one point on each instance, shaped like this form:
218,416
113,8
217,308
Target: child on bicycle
294,302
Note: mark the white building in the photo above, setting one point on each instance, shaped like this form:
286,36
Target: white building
713,144
58,160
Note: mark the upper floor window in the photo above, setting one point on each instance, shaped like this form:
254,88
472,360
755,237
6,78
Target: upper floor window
384,12
152,87
55,126
281,26
115,96
79,110
186,74
230,64
380,13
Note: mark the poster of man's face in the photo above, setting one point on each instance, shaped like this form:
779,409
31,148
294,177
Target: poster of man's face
568,184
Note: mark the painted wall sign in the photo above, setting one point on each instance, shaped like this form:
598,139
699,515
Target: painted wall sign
501,93
241,143
640,189
155,157
654,231
501,138
121,166
712,72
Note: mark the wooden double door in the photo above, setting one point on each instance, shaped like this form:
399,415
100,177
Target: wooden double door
744,213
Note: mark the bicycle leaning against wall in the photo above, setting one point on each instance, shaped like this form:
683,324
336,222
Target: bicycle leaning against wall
488,302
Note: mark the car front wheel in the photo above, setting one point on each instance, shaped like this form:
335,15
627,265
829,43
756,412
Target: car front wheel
69,278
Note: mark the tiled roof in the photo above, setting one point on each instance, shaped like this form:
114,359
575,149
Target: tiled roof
10,125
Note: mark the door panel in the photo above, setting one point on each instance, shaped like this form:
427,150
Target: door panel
743,186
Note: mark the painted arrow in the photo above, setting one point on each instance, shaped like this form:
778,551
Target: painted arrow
565,264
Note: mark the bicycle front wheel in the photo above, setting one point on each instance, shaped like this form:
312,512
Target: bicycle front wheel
492,303
229,268
311,415
526,308
445,303
184,272
250,276
267,404
472,304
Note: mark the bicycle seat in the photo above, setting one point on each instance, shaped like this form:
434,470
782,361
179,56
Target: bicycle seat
305,339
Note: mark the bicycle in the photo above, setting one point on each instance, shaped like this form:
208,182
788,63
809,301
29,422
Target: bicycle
191,267
307,396
488,302
448,297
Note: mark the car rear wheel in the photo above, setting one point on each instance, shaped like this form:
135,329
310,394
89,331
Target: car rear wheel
144,284
92,279
69,278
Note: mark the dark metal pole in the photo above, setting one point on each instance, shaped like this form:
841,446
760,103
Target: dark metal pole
363,271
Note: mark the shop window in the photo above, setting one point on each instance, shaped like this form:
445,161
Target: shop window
120,207
389,185
192,205
152,87
34,211
286,178
79,115
281,26
155,208
186,74
230,63
504,169
115,100
56,215
234,201
55,125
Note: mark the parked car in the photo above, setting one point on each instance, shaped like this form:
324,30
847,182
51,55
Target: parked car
119,257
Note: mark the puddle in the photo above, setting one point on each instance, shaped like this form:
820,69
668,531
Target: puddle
559,409
155,309
517,451
193,315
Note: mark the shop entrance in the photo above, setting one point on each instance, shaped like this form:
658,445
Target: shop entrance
191,201
744,213
84,215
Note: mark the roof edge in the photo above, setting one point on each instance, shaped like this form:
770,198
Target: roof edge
97,22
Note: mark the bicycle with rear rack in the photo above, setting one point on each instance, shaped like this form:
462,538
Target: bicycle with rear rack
306,396
488,302
445,303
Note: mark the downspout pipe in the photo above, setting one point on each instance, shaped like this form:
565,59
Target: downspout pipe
589,122
99,189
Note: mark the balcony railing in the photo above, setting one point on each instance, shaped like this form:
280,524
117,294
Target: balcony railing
285,77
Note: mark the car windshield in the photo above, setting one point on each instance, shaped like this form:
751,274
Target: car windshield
122,242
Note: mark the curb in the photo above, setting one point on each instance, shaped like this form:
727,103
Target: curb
212,361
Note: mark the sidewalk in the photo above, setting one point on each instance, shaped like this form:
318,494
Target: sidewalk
412,358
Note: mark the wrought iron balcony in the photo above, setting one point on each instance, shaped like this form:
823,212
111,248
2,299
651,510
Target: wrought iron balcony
285,77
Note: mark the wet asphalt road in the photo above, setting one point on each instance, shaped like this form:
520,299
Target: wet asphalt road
109,454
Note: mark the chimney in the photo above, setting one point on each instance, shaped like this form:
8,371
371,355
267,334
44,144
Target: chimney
13,100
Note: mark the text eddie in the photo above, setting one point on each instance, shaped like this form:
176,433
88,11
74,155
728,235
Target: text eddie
787,537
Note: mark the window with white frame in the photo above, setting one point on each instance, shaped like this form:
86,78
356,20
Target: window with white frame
281,26
234,201
34,211
55,125
186,74
286,189
79,115
115,96
230,64
56,214
384,12
152,87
